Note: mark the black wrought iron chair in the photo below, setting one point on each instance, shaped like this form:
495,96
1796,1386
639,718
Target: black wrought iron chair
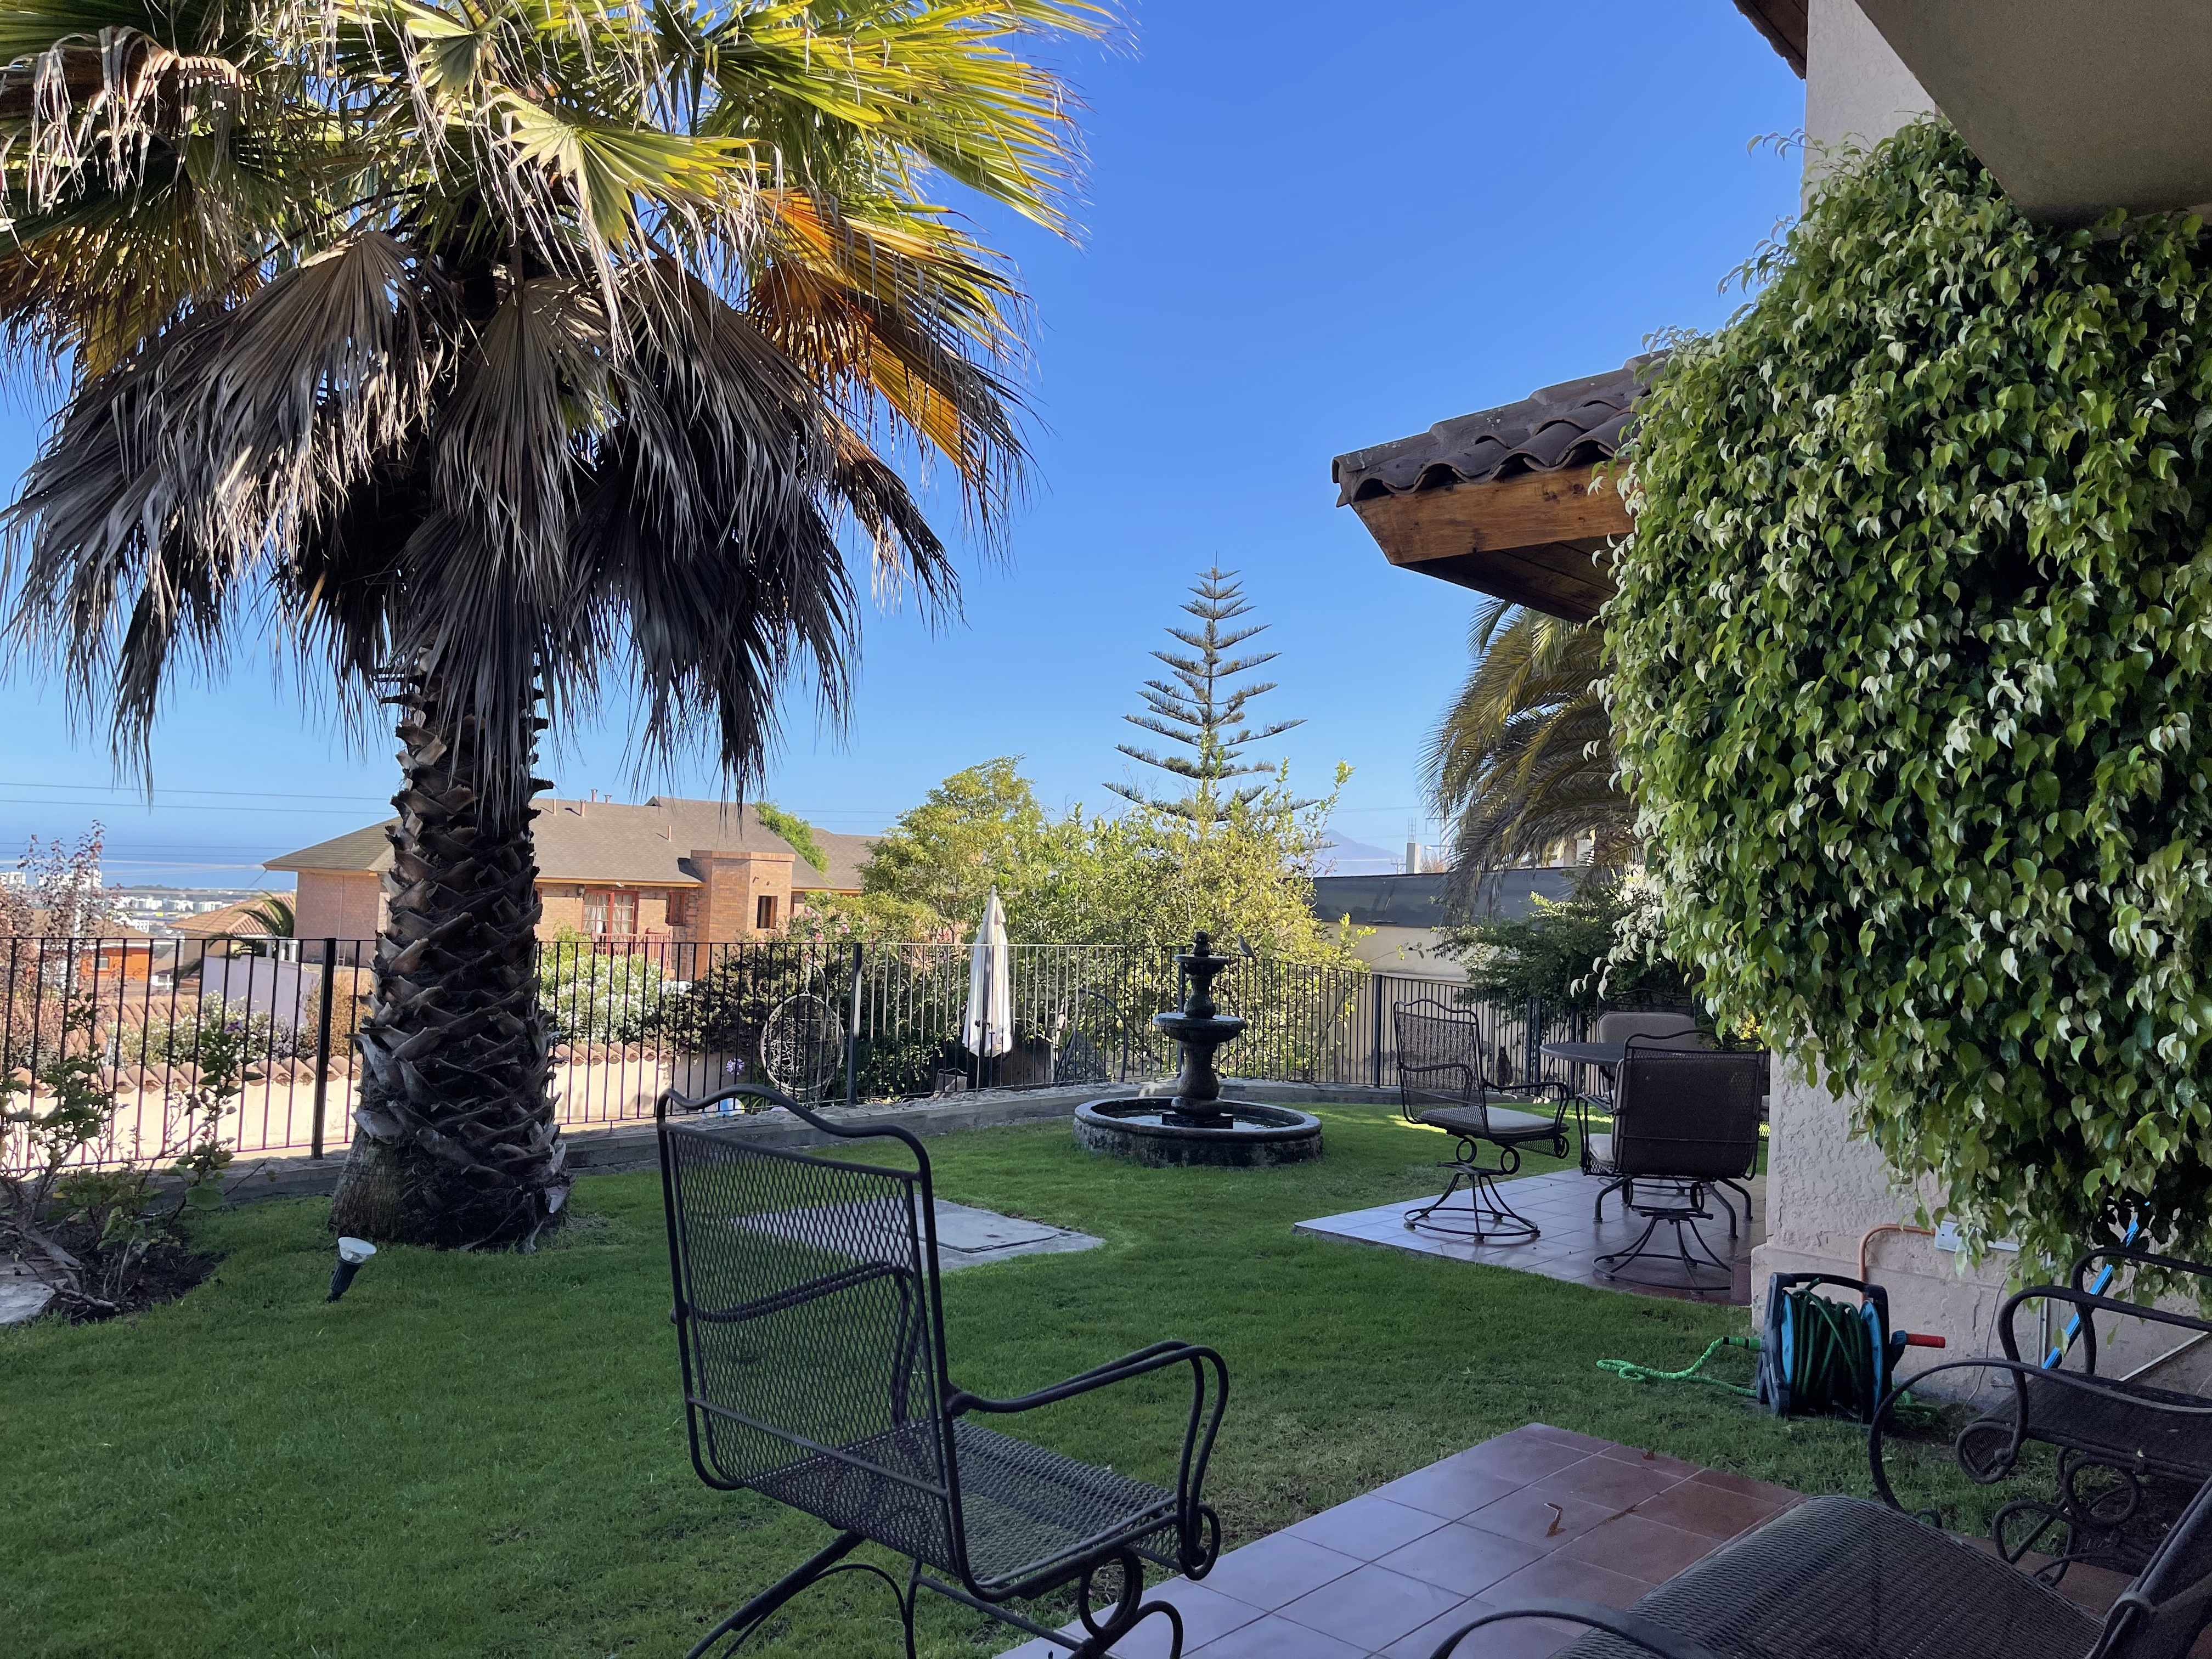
1442,1084
2128,1453
1684,1123
1648,1029
813,1339
1847,1578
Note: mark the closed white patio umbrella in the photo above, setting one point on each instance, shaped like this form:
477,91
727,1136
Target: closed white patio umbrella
987,1029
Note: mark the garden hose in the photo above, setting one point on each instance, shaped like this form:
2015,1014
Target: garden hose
1819,1356
1629,1372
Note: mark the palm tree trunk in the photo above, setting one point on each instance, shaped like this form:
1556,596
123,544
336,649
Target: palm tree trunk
455,1142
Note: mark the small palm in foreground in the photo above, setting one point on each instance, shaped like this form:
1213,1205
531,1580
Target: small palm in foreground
491,355
1523,760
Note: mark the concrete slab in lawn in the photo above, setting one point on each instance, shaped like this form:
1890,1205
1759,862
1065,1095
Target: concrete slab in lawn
22,1299
967,1236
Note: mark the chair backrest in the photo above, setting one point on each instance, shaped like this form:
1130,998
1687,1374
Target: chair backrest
808,1317
2163,1613
1690,1114
1440,1058
1664,1030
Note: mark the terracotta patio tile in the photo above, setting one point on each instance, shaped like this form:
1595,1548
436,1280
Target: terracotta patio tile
1462,1559
1604,1480
1649,1459
1586,1442
1372,1606
1555,1577
1781,1497
1521,1457
1714,1511
1640,1548
1546,1522
1276,1638
1277,1568
1512,1638
1449,1489
1366,1527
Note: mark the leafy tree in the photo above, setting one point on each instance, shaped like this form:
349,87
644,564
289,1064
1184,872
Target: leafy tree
1148,878
797,831
982,828
1523,760
1912,649
1199,710
1568,952
61,895
495,357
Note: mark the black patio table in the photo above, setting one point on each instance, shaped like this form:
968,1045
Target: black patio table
1591,1053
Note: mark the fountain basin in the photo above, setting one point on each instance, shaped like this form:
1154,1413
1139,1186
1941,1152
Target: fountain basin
1231,1133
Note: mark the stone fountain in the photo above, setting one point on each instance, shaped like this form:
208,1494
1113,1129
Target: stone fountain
1197,1126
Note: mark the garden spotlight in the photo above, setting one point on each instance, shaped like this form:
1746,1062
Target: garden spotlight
352,1252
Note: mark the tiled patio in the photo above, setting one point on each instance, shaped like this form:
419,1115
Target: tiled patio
1559,1203
1537,1512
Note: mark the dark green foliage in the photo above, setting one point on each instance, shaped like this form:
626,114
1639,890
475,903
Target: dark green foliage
1559,953
796,830
1911,648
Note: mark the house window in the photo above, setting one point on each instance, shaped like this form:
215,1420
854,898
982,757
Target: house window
764,912
679,908
606,913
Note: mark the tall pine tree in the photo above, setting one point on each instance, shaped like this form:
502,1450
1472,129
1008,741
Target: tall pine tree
1199,710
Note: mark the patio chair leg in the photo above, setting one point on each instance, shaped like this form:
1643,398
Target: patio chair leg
1496,1221
1128,1612
1597,1210
1691,1208
748,1617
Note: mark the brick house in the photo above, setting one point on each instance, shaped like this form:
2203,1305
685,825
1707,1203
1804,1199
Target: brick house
698,871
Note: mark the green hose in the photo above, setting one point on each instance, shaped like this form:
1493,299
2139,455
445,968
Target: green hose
1629,1372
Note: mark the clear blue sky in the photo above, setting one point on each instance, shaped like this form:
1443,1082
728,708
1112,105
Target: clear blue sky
1310,229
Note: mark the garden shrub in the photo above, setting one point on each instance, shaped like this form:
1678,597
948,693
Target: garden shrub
1910,686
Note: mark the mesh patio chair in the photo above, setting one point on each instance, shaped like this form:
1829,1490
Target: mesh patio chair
1684,1123
1442,1084
810,1330
1659,1031
2129,1452
1848,1578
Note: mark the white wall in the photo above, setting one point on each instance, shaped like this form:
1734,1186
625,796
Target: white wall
1856,87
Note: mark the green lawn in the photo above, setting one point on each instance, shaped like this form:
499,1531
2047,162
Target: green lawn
483,1455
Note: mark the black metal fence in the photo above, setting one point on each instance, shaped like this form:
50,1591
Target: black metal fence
829,1022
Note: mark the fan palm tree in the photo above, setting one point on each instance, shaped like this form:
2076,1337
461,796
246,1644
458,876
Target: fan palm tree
1523,760
491,355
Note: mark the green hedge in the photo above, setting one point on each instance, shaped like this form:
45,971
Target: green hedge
1910,683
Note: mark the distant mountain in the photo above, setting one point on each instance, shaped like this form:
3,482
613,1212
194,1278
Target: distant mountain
1357,858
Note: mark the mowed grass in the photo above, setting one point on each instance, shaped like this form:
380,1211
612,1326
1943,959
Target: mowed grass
484,1455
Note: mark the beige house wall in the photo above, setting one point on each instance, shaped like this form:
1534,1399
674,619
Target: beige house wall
1409,952
346,904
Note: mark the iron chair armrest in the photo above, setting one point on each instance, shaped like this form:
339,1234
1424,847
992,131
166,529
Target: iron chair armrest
2089,1304
676,1100
1198,1533
2117,1253
2020,1371
1628,1627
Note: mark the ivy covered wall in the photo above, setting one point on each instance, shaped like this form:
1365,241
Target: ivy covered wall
1910,684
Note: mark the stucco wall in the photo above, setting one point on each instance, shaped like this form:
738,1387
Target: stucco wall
1856,87
1408,951
1825,1189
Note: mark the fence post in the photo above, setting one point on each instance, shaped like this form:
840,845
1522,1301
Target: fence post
853,1034
1375,1050
1533,1027
322,1039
